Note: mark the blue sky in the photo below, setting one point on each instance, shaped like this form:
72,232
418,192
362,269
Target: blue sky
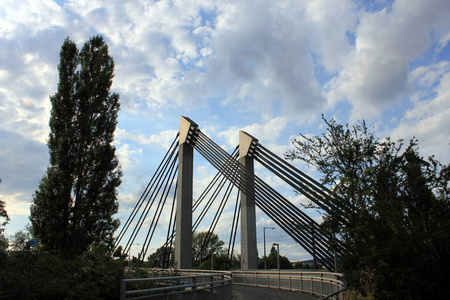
270,68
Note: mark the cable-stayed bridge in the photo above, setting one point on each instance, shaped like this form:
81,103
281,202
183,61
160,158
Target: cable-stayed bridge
171,189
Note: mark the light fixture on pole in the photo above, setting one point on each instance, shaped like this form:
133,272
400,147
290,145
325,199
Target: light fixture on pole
278,254
265,256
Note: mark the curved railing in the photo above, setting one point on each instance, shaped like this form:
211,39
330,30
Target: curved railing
189,284
199,284
322,284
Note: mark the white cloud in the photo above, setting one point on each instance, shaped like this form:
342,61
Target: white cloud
375,74
162,139
127,155
258,66
427,76
429,119
267,132
331,23
15,204
264,49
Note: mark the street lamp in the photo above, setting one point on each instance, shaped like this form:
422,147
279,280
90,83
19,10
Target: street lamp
212,258
265,257
278,255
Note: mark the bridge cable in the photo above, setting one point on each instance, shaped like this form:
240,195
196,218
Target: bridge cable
216,219
141,199
234,227
161,176
218,212
170,227
220,159
305,185
167,186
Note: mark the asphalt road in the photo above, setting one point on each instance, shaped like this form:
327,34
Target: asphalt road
241,292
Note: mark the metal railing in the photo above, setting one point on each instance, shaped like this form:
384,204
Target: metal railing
322,284
191,284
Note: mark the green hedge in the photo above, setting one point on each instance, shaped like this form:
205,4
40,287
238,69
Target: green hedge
42,275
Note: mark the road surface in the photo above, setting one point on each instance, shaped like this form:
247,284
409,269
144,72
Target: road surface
241,292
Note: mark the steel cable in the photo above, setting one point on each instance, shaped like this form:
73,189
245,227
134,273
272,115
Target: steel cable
141,199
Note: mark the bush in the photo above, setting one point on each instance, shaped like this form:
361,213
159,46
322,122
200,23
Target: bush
43,275
354,295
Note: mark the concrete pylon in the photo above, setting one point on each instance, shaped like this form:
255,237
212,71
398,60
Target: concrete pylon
249,252
183,239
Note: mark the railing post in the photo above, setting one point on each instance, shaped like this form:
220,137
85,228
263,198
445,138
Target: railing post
222,291
279,280
211,294
321,284
123,290
194,287
301,282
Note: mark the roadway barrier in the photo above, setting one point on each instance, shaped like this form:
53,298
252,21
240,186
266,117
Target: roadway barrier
190,284
217,285
322,284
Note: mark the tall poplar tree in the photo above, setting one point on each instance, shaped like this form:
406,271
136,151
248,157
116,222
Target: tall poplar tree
77,198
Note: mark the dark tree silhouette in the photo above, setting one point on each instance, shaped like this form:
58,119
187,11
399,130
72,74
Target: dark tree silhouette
77,198
398,233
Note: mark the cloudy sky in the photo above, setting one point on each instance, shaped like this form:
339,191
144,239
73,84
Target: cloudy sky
270,68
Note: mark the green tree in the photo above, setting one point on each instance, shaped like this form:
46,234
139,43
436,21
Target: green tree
202,245
3,214
43,275
397,228
221,261
162,257
77,198
272,261
18,241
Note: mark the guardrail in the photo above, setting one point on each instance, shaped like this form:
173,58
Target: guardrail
203,284
194,285
322,284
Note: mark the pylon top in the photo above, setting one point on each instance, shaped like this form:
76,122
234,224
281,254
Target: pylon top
187,129
247,144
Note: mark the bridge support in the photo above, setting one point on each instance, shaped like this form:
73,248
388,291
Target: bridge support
249,251
183,239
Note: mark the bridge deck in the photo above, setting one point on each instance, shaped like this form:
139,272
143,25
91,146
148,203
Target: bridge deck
241,292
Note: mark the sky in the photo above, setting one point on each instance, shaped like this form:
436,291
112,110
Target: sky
270,68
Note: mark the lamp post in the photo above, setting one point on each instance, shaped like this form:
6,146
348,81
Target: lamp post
212,258
278,255
265,257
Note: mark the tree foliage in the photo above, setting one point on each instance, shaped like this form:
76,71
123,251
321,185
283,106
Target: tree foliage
76,199
163,257
3,214
18,241
203,244
398,232
43,275
272,261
